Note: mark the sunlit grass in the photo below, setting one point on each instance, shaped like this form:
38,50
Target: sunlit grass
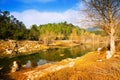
89,67
92,66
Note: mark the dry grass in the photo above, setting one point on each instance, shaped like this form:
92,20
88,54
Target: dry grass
87,67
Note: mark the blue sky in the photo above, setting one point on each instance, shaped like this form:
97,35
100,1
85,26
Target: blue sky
41,5
43,11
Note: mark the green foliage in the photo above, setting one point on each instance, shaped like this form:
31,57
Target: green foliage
34,33
61,31
10,27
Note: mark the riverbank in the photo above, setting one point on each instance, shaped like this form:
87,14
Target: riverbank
13,47
92,66
52,54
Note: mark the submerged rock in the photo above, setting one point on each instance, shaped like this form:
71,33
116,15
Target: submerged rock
41,61
28,64
14,67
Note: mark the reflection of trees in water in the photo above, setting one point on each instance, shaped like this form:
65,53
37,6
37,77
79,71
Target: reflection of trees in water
54,54
82,49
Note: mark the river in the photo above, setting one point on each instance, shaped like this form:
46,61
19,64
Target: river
47,56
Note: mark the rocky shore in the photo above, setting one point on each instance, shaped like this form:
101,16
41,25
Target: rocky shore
13,47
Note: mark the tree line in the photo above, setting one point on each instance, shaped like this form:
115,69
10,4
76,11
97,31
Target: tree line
12,28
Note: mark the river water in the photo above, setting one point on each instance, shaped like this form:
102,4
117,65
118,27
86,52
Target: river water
51,55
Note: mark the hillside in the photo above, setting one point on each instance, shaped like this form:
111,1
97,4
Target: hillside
92,66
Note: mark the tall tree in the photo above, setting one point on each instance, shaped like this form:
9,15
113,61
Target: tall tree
106,15
34,33
10,27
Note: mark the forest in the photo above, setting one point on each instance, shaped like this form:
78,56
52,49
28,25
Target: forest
12,28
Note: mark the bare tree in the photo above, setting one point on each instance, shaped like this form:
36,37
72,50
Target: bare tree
106,15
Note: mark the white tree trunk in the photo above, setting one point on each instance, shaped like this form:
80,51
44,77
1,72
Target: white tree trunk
110,53
112,41
112,30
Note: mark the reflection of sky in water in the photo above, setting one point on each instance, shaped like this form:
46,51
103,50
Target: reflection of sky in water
48,56
41,61
38,63
28,64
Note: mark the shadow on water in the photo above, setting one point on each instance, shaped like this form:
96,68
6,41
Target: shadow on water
42,57
6,77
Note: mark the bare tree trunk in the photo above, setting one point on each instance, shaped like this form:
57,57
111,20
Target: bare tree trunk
112,29
112,41
110,53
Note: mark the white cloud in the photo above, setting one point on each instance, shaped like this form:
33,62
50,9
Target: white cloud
30,17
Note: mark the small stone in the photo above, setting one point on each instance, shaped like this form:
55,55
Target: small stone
116,56
108,55
14,67
99,60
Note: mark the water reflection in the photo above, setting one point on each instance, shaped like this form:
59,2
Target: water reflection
41,61
51,55
28,64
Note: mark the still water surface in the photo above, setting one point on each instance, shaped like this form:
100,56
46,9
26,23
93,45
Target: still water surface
51,55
